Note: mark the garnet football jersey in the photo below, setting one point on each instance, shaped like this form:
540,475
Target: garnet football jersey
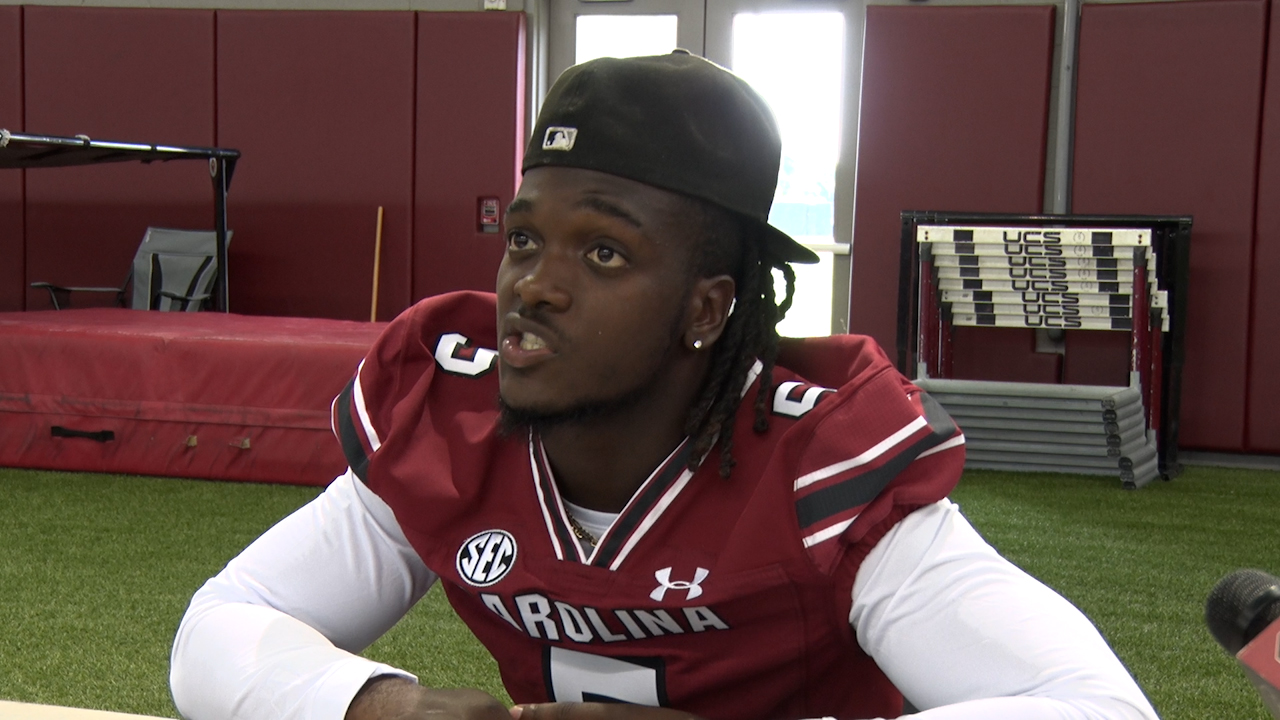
725,598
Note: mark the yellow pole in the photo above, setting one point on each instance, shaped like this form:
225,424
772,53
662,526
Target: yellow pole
377,261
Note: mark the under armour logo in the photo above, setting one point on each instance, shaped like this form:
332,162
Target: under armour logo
663,577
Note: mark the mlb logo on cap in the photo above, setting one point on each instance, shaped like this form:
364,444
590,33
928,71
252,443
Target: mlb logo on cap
559,138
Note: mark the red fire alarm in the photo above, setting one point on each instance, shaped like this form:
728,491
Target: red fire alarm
488,207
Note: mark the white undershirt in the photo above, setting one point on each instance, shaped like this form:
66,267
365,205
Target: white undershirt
958,629
596,522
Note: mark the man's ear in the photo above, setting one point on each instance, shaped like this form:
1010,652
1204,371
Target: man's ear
710,301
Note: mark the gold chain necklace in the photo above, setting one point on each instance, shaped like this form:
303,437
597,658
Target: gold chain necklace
580,532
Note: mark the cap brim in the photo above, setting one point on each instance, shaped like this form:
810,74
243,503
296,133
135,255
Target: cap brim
783,247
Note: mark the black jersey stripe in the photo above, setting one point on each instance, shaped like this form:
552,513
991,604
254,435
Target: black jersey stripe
349,434
636,511
864,487
551,496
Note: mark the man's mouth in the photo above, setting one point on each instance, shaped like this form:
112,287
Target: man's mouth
524,348
529,341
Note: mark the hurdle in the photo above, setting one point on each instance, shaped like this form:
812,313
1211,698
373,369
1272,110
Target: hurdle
1052,273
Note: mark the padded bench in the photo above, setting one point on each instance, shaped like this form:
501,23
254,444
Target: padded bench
197,395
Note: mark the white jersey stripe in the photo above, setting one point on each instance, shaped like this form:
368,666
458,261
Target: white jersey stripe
542,502
654,513
876,451
561,509
953,442
357,399
828,533
756,368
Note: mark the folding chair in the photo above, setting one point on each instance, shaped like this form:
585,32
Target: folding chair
173,270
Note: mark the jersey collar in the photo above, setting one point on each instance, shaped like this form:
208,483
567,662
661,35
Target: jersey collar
648,503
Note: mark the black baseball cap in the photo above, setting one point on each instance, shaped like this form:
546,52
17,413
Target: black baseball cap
676,122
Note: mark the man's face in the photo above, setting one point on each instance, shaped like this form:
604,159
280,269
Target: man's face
592,293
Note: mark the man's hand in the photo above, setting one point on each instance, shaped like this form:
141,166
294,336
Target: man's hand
596,711
389,697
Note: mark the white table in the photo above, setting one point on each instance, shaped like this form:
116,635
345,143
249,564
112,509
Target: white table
27,711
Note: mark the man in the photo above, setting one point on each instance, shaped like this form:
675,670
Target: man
630,490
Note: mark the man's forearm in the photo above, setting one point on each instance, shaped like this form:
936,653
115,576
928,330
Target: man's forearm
389,697
235,660
273,634
960,629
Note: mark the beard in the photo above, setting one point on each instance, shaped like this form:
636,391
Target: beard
512,420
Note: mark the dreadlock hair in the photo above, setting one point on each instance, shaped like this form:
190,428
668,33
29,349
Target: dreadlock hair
726,246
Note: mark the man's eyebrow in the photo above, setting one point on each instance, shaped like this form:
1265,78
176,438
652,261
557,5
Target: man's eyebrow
600,205
520,205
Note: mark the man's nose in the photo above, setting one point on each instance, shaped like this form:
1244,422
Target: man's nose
546,284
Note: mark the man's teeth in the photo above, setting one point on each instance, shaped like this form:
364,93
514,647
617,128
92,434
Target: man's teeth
529,341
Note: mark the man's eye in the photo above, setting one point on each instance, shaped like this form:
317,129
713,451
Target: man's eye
607,257
519,241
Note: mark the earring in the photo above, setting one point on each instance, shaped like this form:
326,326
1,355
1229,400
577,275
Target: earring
697,344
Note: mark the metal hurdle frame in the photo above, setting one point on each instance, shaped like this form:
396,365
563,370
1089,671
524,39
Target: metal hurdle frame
1156,358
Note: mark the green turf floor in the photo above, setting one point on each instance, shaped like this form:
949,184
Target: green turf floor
96,570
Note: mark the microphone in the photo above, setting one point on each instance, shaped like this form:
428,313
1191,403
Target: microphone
1243,615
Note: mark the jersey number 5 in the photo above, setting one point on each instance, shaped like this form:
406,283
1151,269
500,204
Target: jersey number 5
573,676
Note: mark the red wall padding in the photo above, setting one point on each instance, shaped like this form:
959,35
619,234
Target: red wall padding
470,68
1003,354
954,117
1262,423
1167,113
1097,357
113,74
321,106
12,262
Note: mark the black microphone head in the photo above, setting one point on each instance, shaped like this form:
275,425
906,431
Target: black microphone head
1241,605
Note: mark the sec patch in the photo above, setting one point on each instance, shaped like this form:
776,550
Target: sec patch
486,557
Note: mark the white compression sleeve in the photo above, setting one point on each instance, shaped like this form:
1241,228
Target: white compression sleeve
273,634
965,634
